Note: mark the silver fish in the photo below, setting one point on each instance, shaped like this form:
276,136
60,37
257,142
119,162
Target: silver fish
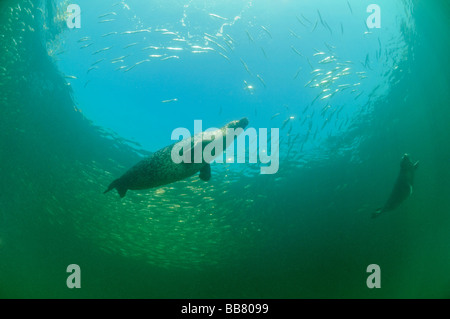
267,31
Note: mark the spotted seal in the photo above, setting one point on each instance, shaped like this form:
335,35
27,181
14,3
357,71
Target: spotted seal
160,169
403,186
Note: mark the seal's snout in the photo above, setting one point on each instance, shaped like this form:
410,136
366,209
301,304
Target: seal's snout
406,158
406,161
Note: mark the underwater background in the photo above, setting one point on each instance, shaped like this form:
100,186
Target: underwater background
79,106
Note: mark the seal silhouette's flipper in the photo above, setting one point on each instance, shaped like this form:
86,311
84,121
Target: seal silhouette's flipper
117,185
122,191
416,165
377,213
205,173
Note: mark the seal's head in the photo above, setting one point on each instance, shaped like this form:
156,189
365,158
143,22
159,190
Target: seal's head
242,123
406,162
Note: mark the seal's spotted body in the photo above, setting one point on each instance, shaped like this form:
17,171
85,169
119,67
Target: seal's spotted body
159,169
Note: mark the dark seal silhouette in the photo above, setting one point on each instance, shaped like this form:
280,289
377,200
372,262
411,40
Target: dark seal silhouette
160,169
403,186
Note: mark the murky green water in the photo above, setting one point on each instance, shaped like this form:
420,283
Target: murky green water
304,232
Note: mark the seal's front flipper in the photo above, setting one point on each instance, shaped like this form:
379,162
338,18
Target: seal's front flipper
122,191
416,165
205,173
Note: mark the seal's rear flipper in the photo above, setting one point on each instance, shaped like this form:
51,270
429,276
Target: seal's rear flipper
111,186
377,213
120,189
205,173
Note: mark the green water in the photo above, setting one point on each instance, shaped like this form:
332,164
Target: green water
305,232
